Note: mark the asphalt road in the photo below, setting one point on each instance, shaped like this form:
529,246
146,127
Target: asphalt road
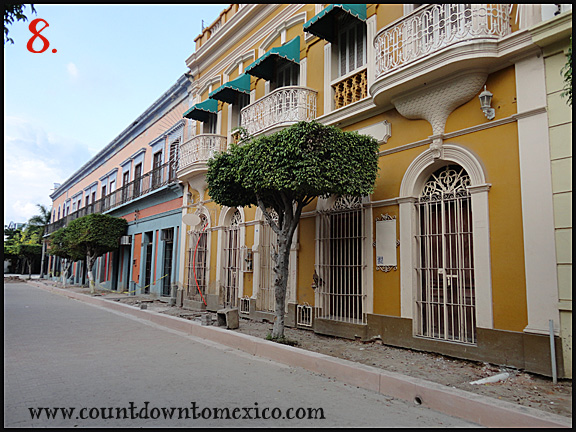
91,367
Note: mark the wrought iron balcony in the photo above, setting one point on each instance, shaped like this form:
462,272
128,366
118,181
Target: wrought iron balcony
152,180
433,28
199,149
436,41
280,108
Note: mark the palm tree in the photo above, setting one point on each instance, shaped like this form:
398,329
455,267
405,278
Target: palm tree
40,222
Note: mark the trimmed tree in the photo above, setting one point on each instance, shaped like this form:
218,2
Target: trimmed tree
94,235
60,247
29,250
286,171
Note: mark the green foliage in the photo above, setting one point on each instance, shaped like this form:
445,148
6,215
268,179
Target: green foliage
39,222
567,73
29,250
60,246
14,12
11,239
94,234
301,162
24,245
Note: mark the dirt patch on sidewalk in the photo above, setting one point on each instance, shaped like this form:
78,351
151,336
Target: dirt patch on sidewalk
520,387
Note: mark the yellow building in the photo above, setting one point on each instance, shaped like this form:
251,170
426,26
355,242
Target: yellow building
456,250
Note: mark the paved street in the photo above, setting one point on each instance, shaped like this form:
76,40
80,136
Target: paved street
61,353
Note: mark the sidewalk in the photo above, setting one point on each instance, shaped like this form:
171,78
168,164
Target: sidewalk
477,408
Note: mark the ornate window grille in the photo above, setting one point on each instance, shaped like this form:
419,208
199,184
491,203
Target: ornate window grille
446,294
339,288
196,283
435,27
229,292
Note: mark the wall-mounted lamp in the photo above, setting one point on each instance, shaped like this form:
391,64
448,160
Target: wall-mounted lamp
485,102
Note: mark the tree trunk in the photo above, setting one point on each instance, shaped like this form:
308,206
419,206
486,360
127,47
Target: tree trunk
281,283
90,263
42,260
287,222
65,266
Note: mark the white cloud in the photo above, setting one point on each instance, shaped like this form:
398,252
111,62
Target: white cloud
33,161
72,70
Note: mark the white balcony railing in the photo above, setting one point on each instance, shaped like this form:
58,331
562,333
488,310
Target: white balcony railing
200,148
283,105
435,27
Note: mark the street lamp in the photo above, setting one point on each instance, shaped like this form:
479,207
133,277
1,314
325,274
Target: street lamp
485,104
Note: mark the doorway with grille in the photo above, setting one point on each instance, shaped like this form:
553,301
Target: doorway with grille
446,291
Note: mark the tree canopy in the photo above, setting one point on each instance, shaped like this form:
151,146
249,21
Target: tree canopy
95,234
60,246
88,236
299,163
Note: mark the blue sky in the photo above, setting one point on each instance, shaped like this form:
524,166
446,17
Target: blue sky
111,63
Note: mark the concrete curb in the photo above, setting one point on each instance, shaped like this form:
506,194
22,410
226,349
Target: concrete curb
479,409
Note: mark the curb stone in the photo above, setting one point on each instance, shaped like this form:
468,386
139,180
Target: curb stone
476,408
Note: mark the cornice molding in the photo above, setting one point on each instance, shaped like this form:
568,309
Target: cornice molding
552,30
350,114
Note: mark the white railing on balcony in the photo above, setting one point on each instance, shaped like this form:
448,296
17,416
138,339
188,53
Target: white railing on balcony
283,105
434,27
201,148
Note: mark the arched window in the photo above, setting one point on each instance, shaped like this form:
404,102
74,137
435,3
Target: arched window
266,300
231,281
197,260
446,300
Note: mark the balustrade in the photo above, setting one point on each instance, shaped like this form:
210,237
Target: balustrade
350,89
435,27
201,148
283,105
148,182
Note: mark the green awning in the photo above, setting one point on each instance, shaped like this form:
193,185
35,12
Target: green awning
324,23
227,92
202,110
264,66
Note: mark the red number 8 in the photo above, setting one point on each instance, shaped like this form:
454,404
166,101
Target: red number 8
32,28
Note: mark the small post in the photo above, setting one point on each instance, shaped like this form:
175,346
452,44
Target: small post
553,352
